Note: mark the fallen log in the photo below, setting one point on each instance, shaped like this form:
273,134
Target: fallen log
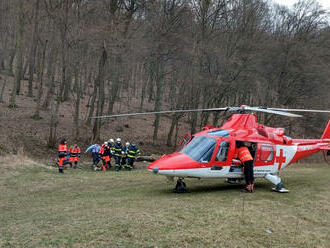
151,158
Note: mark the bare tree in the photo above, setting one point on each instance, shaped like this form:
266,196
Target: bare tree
33,49
19,47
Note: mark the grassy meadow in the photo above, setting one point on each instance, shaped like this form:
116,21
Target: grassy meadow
41,208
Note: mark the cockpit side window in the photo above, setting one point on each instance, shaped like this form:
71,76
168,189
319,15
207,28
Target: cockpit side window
223,151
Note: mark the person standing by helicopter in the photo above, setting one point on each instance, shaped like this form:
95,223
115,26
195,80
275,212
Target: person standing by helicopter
246,158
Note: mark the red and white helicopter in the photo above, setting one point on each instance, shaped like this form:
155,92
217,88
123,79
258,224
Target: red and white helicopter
211,152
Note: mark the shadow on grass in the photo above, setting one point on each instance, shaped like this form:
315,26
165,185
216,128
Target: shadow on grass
220,188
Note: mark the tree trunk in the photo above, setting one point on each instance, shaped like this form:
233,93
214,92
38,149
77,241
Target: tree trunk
52,140
33,49
51,68
143,92
194,115
19,63
36,115
3,88
77,104
174,123
159,99
12,54
67,87
100,102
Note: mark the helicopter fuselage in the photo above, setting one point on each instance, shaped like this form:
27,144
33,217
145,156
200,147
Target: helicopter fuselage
211,153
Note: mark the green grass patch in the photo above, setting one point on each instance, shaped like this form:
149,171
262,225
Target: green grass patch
41,208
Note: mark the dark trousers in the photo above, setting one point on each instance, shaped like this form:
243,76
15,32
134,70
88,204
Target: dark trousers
131,161
96,158
123,160
117,159
248,172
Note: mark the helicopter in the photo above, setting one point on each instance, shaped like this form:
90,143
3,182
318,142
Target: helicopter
211,153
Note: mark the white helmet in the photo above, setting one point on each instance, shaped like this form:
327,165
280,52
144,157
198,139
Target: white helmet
118,139
111,141
127,144
105,143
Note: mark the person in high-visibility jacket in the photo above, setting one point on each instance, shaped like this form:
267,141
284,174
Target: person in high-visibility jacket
246,158
118,148
111,144
105,156
124,156
74,155
132,152
63,155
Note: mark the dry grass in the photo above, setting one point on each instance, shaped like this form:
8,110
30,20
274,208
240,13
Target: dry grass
40,208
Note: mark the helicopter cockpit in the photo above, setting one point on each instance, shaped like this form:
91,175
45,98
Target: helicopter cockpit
203,148
216,147
200,149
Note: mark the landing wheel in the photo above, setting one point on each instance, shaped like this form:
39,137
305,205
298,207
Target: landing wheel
180,186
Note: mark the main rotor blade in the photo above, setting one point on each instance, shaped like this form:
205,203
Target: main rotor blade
160,112
302,110
270,111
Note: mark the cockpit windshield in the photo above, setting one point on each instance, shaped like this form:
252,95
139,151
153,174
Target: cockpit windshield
200,149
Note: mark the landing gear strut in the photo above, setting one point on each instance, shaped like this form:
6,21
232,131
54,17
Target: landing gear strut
180,186
277,181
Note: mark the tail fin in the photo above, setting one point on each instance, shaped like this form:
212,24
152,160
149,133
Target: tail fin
326,133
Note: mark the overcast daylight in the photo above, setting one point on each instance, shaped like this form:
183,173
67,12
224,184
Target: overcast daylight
325,3
164,123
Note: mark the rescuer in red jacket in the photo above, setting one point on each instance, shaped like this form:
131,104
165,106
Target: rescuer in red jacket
246,158
105,154
74,155
63,155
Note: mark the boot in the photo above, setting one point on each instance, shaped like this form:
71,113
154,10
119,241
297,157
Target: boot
60,169
248,189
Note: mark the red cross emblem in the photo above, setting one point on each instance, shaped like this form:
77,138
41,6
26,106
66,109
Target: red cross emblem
280,159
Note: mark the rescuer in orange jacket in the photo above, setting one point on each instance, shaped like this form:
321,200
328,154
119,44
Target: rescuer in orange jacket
105,154
63,155
74,155
246,158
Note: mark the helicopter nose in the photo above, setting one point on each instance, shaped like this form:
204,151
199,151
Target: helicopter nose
172,162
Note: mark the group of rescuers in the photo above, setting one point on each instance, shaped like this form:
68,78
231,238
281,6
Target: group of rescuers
124,155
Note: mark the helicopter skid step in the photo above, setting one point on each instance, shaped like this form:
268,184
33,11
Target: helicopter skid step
282,190
233,181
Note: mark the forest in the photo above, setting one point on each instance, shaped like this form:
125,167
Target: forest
117,56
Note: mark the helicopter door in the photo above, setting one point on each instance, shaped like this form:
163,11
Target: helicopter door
219,163
185,140
265,155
